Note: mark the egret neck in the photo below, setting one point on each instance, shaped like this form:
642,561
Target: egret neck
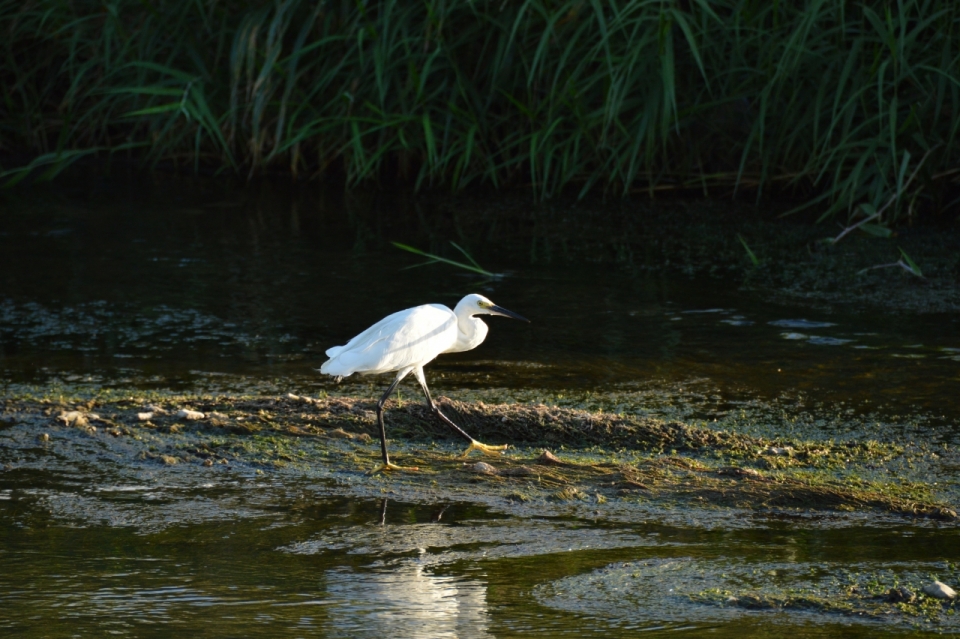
471,330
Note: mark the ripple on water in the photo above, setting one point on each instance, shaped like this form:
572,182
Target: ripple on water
821,340
94,326
478,540
800,323
737,321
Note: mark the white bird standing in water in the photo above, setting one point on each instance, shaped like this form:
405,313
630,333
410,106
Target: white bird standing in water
408,340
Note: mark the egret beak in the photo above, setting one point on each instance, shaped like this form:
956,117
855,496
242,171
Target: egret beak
499,310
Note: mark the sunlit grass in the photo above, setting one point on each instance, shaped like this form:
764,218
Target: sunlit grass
473,266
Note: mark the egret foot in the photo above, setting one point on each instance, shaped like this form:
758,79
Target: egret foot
382,468
484,448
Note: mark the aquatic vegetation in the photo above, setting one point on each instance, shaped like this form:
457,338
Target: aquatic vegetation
845,104
725,588
598,456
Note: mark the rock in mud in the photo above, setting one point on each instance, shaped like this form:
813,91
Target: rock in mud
901,595
190,414
145,417
939,590
483,468
73,418
519,471
786,451
305,400
740,472
548,459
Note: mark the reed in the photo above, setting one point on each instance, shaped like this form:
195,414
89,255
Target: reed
855,107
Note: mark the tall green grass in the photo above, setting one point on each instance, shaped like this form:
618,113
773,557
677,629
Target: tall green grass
853,106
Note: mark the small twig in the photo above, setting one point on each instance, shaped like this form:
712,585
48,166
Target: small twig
850,229
893,198
899,263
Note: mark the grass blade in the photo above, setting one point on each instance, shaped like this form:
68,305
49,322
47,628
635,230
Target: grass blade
475,268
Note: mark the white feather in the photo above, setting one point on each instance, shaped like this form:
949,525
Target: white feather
411,338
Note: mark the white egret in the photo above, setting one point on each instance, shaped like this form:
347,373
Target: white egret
405,342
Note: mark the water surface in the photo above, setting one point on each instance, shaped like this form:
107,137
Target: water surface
207,285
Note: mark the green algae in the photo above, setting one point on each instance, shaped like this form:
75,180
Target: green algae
665,586
597,456
879,595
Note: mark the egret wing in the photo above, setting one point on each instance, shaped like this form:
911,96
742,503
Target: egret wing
404,339
371,333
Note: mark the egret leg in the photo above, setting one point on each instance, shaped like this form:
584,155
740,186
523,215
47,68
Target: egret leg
474,444
383,431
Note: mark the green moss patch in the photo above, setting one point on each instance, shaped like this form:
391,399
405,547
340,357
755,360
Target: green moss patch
597,457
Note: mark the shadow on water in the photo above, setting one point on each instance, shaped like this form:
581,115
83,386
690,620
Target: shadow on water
213,286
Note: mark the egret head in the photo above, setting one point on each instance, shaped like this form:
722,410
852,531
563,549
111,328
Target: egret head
474,304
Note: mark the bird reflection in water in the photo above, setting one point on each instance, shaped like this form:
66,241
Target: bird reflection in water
404,598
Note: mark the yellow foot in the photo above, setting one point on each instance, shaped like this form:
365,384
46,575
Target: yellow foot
484,448
382,468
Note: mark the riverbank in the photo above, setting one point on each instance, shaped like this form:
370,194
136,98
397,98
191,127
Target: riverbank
782,257
640,502
841,107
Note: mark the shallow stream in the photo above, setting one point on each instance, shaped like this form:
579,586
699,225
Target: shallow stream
172,286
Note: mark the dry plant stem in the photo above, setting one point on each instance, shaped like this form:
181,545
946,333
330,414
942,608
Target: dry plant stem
893,198
899,263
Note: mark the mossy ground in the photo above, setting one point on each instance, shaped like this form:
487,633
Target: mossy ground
882,597
557,454
813,591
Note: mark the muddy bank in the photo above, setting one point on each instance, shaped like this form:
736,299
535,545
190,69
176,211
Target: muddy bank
559,455
894,594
